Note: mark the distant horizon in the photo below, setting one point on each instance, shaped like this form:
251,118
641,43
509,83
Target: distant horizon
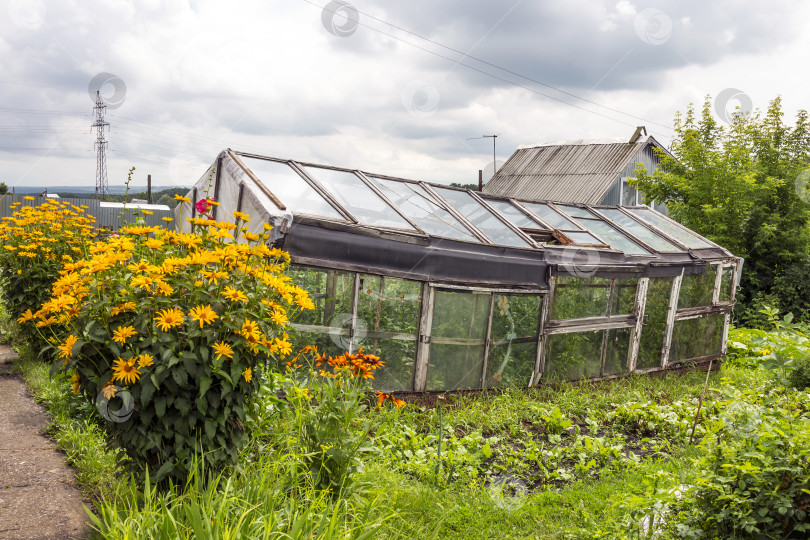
115,189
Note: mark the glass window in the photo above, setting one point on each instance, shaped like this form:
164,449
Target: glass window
387,326
550,216
574,356
513,340
576,211
694,338
457,340
726,283
328,325
628,194
292,190
423,209
514,216
624,296
639,231
578,297
358,198
655,323
697,289
613,236
482,218
617,351
676,231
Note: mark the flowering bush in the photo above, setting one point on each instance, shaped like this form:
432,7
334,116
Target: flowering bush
36,241
170,332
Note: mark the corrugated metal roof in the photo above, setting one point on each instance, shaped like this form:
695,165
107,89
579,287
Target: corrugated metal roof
577,171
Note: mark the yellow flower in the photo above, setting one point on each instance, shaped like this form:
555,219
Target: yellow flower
267,226
125,371
76,384
28,198
123,333
181,198
223,349
204,314
109,390
167,219
240,215
26,316
248,374
153,243
169,318
232,294
251,329
66,348
145,360
126,306
146,212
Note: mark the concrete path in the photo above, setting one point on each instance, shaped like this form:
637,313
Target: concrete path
38,497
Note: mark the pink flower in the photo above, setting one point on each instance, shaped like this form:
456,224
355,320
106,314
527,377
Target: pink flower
203,205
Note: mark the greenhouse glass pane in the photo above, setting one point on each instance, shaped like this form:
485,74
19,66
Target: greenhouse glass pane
292,190
639,231
726,284
387,326
575,211
574,356
423,209
328,325
513,340
457,340
617,351
582,238
482,218
514,216
613,236
694,338
358,198
551,216
697,289
579,297
624,296
655,323
676,231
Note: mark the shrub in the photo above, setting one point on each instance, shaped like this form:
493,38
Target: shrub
799,376
36,241
169,333
753,478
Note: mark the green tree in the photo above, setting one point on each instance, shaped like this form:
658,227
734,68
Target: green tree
3,188
740,186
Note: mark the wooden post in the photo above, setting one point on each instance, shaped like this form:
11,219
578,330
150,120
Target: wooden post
149,188
480,180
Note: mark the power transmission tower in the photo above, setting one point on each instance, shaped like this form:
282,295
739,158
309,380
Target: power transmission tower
101,146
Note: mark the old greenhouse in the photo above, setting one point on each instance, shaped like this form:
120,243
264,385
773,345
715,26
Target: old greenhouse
457,289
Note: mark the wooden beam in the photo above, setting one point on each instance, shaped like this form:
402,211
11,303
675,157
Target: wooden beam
640,310
423,344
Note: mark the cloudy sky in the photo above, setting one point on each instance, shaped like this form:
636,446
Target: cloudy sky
391,87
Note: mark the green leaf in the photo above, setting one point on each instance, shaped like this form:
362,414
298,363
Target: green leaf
205,384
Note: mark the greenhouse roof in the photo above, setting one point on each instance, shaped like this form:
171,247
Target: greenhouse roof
339,214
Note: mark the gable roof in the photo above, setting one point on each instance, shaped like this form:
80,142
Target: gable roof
579,171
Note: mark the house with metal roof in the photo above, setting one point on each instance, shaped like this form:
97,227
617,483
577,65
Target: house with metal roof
457,289
578,171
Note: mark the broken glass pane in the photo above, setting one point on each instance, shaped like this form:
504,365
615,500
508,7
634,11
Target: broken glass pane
583,238
483,219
292,190
513,340
358,198
423,209
613,236
457,340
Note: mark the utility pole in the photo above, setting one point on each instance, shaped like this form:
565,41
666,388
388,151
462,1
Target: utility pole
101,146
